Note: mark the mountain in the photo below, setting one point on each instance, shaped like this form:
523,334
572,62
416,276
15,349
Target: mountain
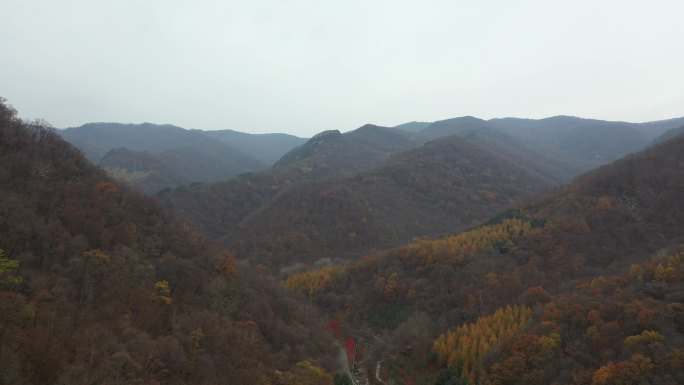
97,139
219,207
100,284
582,285
150,173
447,184
340,195
162,156
331,151
579,144
316,202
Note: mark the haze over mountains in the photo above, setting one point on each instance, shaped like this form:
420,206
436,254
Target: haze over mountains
581,144
152,157
166,156
367,177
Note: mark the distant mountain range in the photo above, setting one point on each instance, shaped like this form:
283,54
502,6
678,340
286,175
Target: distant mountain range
580,144
151,157
365,189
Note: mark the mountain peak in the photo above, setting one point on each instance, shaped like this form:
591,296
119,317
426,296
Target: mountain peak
327,134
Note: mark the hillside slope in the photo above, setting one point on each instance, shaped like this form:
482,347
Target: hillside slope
99,284
567,253
220,207
331,152
446,185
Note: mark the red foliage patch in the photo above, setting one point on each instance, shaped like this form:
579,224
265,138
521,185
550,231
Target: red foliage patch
350,345
335,329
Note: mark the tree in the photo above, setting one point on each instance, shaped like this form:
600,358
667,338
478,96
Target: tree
7,280
228,266
466,346
162,292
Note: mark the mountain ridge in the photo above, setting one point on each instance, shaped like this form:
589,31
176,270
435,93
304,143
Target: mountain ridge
176,156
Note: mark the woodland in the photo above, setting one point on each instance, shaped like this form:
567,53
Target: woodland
101,285
465,251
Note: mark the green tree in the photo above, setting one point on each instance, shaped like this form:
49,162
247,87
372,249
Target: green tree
162,292
7,280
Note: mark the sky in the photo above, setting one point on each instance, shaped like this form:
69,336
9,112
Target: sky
304,66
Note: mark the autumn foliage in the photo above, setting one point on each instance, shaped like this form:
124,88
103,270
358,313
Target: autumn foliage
465,346
99,284
314,281
457,247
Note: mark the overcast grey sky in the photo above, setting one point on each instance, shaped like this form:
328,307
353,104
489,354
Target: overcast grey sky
303,66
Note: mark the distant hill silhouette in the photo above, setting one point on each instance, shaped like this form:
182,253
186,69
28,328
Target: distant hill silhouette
174,156
579,144
332,151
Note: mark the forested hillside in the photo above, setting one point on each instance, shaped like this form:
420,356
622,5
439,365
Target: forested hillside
597,261
341,195
219,208
582,285
332,152
444,186
99,284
